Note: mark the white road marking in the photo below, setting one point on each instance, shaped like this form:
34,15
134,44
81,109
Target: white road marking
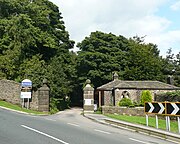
50,119
44,134
102,131
73,124
138,141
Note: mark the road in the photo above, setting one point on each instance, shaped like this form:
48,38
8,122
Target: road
67,127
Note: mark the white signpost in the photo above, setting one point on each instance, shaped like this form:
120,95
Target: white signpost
26,86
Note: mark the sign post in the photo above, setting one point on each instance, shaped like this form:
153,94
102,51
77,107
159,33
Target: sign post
157,122
147,123
178,124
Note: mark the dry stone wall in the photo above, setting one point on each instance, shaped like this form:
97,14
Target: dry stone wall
139,111
10,91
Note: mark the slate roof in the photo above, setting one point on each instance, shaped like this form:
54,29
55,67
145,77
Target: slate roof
151,85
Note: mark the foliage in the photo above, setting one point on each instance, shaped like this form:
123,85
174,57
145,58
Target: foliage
171,66
125,102
100,55
35,45
146,96
168,96
143,61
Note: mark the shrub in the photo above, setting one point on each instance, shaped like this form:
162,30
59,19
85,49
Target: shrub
168,96
145,97
125,102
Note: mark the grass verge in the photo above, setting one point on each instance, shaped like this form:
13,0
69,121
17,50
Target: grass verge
18,108
142,121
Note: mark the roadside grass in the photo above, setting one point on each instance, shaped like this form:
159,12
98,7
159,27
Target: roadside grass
142,121
18,108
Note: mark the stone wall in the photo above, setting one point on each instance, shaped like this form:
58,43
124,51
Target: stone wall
139,111
135,95
10,91
107,98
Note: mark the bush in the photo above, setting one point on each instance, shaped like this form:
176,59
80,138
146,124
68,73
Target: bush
125,102
168,96
57,104
145,97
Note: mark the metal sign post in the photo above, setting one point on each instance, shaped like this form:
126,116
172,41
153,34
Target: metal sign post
178,124
157,122
168,123
147,120
28,104
22,102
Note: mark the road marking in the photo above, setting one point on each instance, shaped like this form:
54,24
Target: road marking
102,131
44,134
73,124
50,119
138,141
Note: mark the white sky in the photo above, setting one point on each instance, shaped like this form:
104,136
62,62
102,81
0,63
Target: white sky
157,19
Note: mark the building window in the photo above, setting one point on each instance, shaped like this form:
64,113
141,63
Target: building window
125,94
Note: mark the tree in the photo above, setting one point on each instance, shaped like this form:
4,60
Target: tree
171,66
145,97
143,62
100,55
34,44
177,70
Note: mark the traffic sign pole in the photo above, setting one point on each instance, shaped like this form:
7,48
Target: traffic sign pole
146,120
28,104
178,124
167,123
156,121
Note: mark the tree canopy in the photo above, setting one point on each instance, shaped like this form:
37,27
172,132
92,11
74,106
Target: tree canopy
102,54
34,44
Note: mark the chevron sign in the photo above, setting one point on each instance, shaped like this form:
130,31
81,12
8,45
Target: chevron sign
155,107
173,108
163,108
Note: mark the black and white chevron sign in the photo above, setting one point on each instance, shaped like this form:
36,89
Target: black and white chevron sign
173,108
154,107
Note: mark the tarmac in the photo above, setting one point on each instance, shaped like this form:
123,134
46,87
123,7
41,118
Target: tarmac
174,137
170,136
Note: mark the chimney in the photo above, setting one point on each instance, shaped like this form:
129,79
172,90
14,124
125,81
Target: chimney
170,80
115,76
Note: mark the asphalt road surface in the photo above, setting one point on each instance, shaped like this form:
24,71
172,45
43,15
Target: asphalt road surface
67,127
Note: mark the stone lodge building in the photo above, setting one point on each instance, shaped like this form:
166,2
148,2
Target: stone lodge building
111,93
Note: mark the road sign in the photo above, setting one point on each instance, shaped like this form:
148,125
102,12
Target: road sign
155,107
25,95
26,83
173,108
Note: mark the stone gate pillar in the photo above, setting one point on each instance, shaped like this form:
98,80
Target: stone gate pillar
88,96
43,97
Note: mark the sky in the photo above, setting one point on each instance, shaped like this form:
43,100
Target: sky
157,20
